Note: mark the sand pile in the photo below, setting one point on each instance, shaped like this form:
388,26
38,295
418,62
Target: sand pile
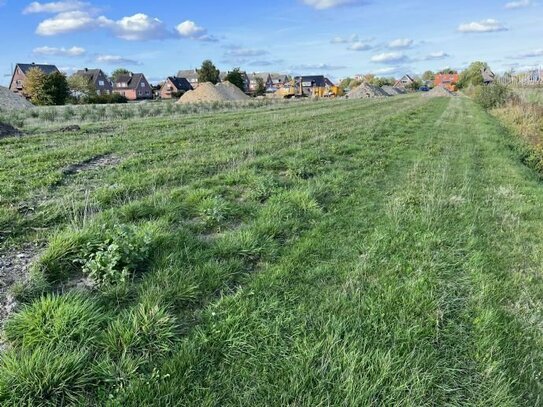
366,91
392,91
12,101
439,91
207,92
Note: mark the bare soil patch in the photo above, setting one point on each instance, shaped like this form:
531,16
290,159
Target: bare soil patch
7,130
94,163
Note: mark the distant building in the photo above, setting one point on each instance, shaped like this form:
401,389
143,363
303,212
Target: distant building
404,82
191,75
488,76
308,83
18,79
447,81
133,86
98,79
272,81
174,86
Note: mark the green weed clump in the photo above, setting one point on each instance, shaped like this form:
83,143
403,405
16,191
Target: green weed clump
70,319
115,260
46,376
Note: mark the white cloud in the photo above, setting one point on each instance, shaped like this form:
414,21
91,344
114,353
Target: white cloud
389,57
387,71
401,43
532,54
519,4
245,52
360,46
328,4
483,26
139,27
66,22
66,52
189,29
318,67
116,60
437,55
345,40
54,7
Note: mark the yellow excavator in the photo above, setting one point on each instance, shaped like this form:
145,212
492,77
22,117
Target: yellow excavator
295,89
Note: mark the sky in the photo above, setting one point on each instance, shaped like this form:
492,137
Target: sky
338,38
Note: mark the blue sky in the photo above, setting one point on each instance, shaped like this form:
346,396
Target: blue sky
334,37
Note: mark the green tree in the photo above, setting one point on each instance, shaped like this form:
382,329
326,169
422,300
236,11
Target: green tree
260,87
415,85
80,86
345,83
235,77
57,88
208,73
472,75
118,72
428,76
35,86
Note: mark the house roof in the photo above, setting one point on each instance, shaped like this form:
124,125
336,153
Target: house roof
46,69
188,74
180,83
92,74
488,75
316,80
131,80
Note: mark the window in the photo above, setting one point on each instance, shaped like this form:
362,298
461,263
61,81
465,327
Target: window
19,83
142,85
101,83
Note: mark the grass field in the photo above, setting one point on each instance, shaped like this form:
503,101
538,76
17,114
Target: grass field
337,253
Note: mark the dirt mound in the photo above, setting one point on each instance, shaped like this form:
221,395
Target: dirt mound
392,91
7,130
231,92
207,92
439,91
12,101
365,91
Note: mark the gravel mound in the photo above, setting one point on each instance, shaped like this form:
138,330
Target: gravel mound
7,130
439,91
207,92
365,91
392,91
12,101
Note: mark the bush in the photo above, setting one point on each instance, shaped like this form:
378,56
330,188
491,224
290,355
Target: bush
69,319
106,99
491,96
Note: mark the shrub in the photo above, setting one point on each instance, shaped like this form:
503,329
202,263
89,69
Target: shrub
54,319
491,96
106,99
117,257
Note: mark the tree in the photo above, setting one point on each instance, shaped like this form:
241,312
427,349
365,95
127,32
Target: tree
235,77
80,86
472,75
57,88
208,73
345,83
260,87
415,85
35,86
118,72
428,76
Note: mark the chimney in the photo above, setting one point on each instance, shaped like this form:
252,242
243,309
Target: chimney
86,69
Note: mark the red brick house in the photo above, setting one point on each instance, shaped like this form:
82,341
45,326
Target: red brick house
173,86
21,70
98,79
133,86
447,81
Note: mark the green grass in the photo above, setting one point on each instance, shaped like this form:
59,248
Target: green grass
336,253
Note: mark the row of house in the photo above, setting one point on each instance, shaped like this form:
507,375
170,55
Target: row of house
133,86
